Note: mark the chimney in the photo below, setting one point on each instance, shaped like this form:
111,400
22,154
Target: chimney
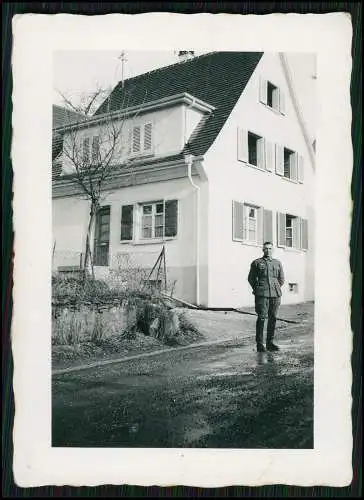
185,55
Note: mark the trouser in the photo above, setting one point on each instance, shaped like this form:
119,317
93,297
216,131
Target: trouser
266,307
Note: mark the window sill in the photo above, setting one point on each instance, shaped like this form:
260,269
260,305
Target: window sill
260,169
292,250
292,181
276,111
148,242
247,243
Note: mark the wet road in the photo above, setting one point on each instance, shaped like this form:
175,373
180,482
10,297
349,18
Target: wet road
222,396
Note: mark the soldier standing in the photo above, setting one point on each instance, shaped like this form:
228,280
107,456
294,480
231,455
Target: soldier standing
266,278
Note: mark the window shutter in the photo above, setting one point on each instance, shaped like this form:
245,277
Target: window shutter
293,166
260,223
282,102
95,149
268,226
281,230
296,225
148,137
304,234
300,171
263,90
238,221
136,139
243,153
126,223
279,159
86,150
170,218
269,156
261,153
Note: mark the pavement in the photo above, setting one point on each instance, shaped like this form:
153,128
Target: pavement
223,395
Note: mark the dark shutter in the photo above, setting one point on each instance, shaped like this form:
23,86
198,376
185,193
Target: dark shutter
268,226
126,223
171,218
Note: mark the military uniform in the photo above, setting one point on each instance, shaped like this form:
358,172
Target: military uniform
266,277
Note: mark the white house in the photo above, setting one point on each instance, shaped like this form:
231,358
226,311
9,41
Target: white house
221,162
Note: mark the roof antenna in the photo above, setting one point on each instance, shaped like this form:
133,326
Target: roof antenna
123,59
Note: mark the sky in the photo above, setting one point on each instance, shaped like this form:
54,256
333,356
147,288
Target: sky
80,72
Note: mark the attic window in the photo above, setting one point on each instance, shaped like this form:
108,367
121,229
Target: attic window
272,96
142,139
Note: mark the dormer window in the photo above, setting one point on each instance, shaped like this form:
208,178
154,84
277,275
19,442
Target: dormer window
142,138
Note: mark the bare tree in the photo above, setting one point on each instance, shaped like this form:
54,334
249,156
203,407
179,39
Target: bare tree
93,147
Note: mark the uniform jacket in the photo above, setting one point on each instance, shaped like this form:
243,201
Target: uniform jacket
266,277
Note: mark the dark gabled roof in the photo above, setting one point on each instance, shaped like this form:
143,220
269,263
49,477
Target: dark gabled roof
63,116
218,78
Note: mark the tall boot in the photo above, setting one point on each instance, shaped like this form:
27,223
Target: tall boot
259,334
270,335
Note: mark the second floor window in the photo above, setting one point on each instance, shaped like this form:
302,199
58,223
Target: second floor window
142,138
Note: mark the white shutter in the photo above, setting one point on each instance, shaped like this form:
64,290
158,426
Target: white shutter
147,137
304,234
238,221
282,102
136,139
260,225
279,157
242,142
267,225
269,156
293,166
281,229
261,153
263,90
300,170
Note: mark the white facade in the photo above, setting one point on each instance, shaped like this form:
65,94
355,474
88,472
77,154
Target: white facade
230,179
223,264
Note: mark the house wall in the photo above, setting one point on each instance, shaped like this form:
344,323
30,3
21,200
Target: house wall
180,251
230,179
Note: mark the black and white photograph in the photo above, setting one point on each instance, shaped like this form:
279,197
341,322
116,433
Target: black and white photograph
184,270
182,222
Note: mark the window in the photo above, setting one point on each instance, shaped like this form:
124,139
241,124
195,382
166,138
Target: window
154,220
142,139
272,96
289,164
292,231
251,224
255,150
90,150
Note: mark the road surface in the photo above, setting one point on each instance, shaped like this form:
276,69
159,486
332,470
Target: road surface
221,396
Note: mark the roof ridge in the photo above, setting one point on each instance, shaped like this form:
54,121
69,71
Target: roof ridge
194,58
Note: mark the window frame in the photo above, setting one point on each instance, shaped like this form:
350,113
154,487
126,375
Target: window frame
153,216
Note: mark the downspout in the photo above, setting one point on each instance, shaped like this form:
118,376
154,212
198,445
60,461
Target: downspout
189,159
297,108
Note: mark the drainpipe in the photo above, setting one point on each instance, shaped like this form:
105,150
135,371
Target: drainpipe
189,159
